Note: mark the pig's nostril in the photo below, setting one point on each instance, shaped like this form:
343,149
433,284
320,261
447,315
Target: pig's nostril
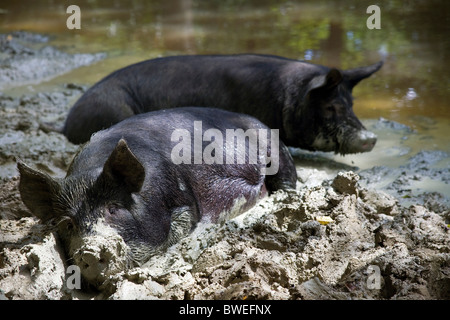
88,258
367,140
105,256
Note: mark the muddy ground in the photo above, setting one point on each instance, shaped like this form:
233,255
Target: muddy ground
373,235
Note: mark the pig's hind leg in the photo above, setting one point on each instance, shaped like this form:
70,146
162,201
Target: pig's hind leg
286,176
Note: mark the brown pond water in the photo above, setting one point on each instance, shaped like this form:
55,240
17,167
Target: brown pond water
412,88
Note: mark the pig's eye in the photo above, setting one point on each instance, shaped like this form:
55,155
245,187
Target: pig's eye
112,210
116,214
66,225
115,210
69,226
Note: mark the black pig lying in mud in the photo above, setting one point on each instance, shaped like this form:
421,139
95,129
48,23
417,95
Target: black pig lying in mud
145,182
310,104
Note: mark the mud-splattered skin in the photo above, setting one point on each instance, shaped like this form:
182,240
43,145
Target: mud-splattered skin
336,127
123,195
310,104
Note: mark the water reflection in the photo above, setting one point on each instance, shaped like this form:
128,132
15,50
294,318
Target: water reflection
411,94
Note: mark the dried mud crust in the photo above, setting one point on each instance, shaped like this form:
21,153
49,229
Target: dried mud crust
277,250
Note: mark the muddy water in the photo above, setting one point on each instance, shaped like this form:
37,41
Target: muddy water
411,89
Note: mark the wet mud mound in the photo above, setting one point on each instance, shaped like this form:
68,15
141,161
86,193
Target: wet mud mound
333,241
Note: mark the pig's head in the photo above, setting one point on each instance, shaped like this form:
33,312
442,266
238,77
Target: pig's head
323,117
97,214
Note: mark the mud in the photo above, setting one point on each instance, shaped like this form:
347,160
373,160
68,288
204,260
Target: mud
380,233
28,59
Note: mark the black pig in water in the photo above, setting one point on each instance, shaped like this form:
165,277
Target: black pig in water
310,104
145,182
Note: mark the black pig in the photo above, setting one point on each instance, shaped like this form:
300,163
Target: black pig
310,104
126,183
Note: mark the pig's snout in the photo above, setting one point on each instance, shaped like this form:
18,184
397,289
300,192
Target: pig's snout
93,262
365,141
356,141
99,258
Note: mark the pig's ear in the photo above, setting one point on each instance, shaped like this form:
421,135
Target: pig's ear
37,190
325,83
123,167
353,76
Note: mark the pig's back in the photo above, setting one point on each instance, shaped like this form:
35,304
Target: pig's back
149,135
